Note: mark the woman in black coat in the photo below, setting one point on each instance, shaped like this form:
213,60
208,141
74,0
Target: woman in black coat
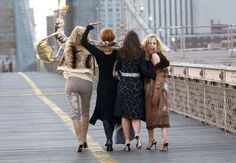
105,55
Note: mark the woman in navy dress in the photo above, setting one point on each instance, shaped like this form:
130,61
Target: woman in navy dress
130,95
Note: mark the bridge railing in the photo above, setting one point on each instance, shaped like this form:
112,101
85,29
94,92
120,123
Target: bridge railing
205,93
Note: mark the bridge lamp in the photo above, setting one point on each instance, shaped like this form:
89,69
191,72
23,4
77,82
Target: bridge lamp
150,18
141,8
173,39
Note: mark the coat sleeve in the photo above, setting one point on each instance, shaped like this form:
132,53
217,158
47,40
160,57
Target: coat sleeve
91,48
164,62
146,70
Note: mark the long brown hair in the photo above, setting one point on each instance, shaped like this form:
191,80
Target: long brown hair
131,48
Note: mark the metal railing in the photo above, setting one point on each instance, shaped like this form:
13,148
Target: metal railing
204,93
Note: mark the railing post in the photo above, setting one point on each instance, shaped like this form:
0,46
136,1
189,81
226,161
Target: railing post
231,40
204,100
225,112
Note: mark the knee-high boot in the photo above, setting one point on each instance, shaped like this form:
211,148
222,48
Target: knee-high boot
85,124
109,128
78,132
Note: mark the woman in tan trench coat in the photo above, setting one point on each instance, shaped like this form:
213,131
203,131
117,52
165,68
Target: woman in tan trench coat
156,106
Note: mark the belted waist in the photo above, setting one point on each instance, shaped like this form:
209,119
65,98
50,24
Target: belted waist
130,74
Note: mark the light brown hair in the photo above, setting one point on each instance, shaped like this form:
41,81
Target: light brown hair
107,34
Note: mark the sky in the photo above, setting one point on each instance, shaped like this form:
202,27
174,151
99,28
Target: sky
43,8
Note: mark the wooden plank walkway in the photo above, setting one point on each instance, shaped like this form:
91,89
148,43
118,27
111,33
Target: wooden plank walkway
34,127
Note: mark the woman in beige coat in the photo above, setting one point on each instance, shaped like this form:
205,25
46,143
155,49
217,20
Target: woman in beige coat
156,106
77,65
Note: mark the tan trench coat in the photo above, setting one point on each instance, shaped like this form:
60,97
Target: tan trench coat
157,114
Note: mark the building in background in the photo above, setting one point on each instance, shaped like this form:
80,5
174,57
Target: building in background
163,17
17,35
185,23
81,12
181,24
7,32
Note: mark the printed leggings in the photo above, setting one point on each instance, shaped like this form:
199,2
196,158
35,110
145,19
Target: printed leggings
79,92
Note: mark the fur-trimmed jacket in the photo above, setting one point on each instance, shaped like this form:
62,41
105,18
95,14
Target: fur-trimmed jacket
75,55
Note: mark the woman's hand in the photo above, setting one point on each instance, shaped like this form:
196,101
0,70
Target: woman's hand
155,58
95,23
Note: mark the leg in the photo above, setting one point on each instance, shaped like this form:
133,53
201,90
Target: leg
151,140
164,144
85,124
126,130
77,128
78,131
73,102
85,94
150,135
164,134
136,123
108,128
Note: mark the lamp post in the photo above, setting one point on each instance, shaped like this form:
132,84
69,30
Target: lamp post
174,43
122,20
98,26
141,8
150,19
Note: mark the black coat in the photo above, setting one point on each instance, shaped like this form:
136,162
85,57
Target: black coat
107,84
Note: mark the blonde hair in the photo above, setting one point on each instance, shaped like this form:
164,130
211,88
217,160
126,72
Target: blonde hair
147,39
76,34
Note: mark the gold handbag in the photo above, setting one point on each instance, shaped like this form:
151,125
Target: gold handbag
45,51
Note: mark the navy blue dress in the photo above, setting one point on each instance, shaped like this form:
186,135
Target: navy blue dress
130,94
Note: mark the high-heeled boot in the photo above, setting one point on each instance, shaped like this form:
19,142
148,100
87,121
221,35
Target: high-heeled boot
108,128
109,144
85,124
78,132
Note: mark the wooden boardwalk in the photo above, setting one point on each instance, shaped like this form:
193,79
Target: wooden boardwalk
35,127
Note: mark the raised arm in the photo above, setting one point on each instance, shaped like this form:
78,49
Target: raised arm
59,27
91,48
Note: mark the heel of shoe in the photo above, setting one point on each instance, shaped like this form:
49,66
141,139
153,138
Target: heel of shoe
154,143
109,144
127,147
109,147
85,145
138,143
164,146
80,148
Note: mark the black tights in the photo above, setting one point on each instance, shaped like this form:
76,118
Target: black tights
108,128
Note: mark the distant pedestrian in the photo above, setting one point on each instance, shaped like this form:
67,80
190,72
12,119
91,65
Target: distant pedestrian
11,66
7,65
3,66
